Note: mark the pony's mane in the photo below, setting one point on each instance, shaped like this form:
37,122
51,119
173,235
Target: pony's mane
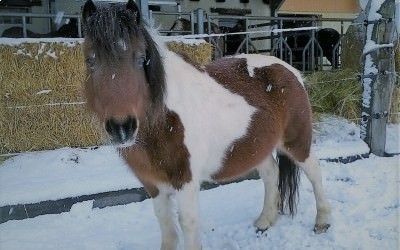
110,24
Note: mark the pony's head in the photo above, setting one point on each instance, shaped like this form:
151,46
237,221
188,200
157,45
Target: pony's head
125,80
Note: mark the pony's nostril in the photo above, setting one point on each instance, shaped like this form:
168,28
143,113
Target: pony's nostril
109,126
130,125
121,131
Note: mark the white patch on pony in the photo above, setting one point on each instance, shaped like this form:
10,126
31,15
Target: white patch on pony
269,87
212,116
258,61
122,45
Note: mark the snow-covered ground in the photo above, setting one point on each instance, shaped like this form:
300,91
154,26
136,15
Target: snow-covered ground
364,197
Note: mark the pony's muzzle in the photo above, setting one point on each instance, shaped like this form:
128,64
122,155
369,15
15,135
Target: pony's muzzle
121,131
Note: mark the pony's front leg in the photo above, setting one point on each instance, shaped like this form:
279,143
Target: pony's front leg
188,205
163,208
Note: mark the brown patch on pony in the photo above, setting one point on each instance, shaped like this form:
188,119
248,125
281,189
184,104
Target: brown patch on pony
163,157
283,114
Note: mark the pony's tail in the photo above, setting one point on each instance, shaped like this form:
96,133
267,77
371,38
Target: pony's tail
289,178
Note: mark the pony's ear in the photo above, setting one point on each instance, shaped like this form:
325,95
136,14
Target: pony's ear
88,9
131,5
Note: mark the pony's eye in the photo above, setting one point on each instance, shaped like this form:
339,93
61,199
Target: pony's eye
140,61
90,61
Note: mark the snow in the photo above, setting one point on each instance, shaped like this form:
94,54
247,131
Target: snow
336,137
70,42
370,46
364,196
375,6
43,92
70,172
393,138
187,39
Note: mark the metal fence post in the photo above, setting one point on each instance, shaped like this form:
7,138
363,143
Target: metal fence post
200,21
24,32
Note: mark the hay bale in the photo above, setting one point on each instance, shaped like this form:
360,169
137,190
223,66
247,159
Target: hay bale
35,75
41,73
198,53
48,127
329,93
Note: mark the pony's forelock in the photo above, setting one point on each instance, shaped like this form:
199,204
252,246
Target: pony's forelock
107,26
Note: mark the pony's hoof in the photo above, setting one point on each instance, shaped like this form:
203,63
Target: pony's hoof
261,232
318,229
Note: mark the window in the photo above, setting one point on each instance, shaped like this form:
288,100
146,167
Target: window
12,19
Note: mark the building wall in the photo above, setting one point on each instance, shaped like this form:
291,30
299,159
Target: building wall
319,6
336,9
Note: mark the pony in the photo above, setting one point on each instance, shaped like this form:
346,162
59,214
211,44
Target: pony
177,124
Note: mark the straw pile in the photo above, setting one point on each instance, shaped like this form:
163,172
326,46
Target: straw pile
329,93
200,53
34,75
340,93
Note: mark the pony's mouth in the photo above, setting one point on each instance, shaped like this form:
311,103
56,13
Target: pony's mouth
126,144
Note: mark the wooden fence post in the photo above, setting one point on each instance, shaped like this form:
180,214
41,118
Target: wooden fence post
378,77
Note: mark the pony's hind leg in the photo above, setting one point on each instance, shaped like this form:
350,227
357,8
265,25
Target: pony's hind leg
269,173
163,208
313,172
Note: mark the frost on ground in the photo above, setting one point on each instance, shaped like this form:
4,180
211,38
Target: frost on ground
364,196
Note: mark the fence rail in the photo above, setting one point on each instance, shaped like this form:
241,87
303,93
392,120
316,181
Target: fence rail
24,17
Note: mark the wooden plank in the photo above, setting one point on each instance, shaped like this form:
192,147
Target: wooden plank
379,63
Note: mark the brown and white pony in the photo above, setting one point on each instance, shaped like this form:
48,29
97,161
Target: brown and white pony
177,124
